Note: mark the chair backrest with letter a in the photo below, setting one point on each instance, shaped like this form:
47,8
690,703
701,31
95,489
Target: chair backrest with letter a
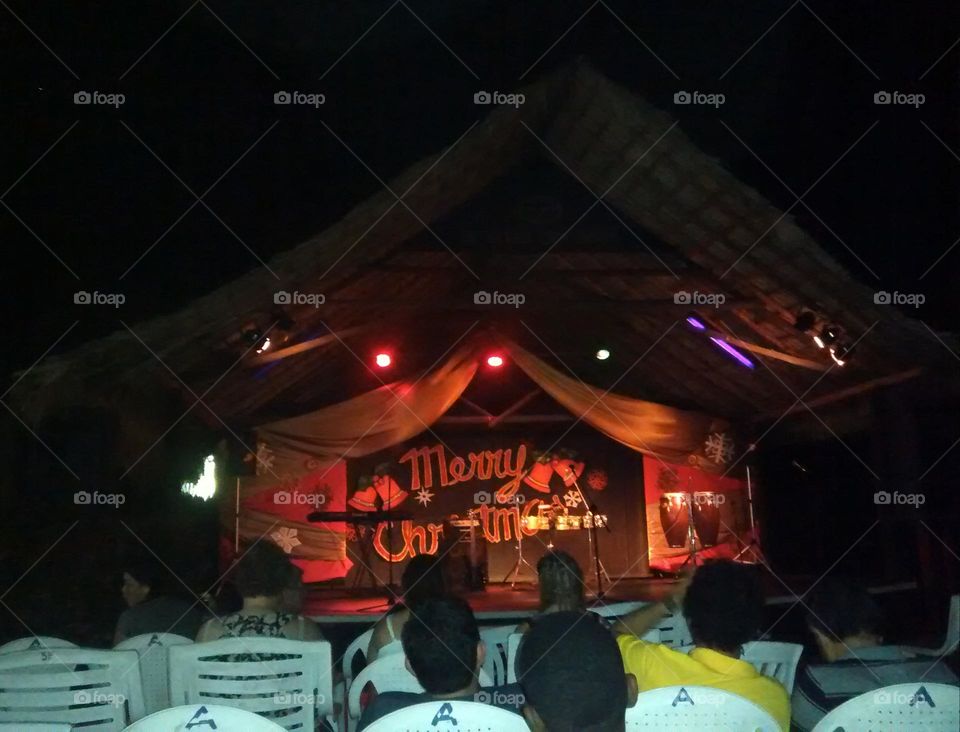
919,706
151,649
676,708
100,690
450,716
286,680
203,717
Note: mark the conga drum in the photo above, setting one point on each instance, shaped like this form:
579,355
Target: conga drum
674,519
706,517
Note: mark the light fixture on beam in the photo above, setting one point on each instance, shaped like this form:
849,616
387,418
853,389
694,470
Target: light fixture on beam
383,360
603,354
494,360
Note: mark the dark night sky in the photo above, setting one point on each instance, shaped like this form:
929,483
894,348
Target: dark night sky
199,81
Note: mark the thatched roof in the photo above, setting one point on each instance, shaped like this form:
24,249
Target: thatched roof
515,185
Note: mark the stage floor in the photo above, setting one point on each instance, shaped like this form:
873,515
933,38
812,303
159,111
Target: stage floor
501,602
497,602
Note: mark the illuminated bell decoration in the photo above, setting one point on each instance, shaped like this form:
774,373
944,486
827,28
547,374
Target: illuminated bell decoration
364,499
391,495
567,469
539,477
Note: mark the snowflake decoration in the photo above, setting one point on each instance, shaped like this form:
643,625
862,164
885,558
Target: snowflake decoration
424,496
286,538
718,447
572,499
265,458
597,479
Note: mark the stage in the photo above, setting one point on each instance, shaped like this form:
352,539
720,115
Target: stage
501,603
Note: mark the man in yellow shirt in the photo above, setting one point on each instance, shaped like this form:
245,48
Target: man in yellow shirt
723,606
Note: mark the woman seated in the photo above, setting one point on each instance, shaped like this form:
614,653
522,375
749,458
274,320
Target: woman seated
561,586
263,576
422,579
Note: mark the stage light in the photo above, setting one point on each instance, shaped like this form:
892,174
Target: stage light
603,354
827,336
733,352
841,353
264,346
696,322
383,360
495,361
205,486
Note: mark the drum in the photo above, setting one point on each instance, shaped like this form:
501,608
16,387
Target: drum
706,516
674,519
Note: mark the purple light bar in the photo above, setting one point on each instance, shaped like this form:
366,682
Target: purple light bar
733,352
698,324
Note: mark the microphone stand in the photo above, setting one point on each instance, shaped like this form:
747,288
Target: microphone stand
598,567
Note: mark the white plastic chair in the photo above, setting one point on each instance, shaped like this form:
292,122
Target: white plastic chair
950,642
35,643
513,650
674,631
390,674
930,707
100,689
33,727
682,708
291,678
776,660
495,663
151,651
204,717
360,644
450,716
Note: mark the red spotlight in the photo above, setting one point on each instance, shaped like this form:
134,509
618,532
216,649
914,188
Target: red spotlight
383,360
495,361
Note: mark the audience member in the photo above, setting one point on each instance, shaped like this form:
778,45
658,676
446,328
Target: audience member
572,676
422,579
561,586
261,575
443,649
723,607
847,626
149,608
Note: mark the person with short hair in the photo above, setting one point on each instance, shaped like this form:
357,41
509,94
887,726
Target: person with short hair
150,609
443,650
723,607
847,626
261,575
422,578
572,676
